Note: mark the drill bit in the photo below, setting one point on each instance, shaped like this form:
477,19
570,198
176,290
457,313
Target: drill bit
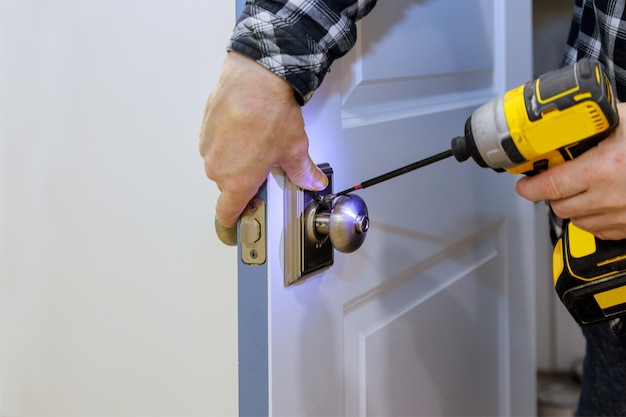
389,175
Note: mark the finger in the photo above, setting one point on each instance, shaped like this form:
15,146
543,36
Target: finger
305,174
580,205
563,181
229,206
602,227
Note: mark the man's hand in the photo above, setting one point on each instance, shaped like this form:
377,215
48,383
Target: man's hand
252,123
591,189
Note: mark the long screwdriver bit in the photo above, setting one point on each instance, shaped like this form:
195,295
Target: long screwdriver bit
390,175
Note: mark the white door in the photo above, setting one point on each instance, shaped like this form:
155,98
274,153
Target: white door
433,315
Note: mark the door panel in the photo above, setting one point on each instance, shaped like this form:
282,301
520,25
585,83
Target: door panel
432,315
396,65
408,334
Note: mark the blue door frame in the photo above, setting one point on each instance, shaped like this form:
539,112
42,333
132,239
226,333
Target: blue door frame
252,326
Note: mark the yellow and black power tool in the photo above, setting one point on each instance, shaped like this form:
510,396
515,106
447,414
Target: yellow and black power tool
540,124
529,129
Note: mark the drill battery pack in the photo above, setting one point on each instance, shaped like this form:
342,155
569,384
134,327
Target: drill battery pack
590,275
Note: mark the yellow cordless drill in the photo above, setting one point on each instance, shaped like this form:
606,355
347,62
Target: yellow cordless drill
538,125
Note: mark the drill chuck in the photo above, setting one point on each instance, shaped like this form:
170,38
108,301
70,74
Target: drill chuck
459,149
464,147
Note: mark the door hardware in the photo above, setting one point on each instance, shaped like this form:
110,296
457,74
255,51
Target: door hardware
251,233
314,225
346,224
227,235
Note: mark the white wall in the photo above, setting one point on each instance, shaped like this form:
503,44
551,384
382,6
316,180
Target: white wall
559,340
115,296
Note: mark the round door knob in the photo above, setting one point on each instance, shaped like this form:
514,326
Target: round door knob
346,224
228,235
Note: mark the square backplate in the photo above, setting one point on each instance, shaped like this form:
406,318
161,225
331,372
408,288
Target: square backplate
306,252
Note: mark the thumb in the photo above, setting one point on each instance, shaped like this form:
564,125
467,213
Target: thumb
305,174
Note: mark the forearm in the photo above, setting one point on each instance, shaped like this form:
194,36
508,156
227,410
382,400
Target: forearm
298,40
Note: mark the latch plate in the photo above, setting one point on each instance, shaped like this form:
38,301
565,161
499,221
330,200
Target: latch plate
306,252
252,233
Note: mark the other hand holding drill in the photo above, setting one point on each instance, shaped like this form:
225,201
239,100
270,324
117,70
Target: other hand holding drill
591,189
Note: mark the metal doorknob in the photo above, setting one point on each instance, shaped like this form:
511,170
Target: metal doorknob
345,224
228,235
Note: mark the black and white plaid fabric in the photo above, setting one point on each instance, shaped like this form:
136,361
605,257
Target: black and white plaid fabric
598,31
271,33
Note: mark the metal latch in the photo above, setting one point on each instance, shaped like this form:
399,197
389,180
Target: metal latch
252,233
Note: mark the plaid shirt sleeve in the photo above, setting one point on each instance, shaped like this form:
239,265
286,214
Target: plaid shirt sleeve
598,31
298,39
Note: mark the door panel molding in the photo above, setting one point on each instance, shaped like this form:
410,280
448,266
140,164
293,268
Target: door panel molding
403,308
469,253
385,79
